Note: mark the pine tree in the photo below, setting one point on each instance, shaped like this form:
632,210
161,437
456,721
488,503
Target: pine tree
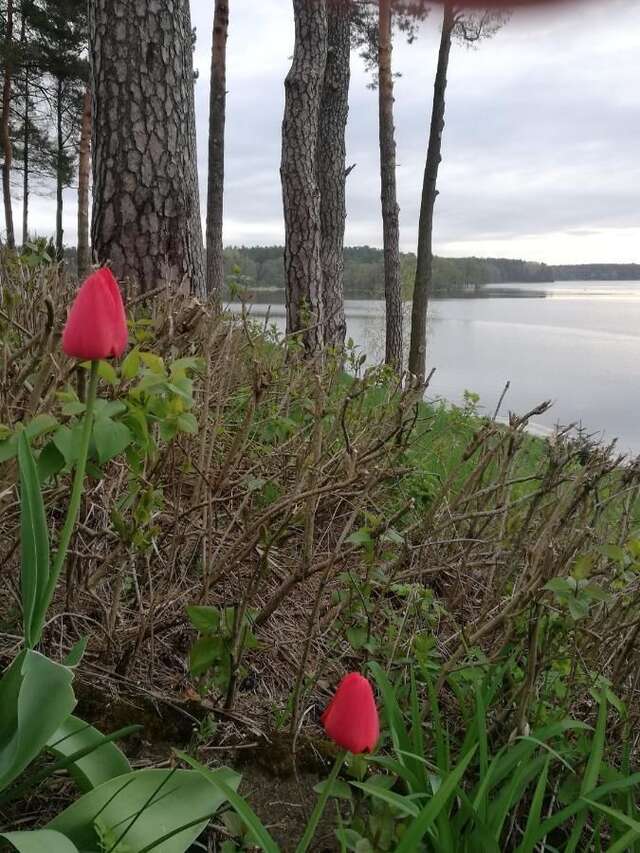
146,211
62,30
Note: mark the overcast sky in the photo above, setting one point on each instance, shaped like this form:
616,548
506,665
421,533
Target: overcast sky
541,151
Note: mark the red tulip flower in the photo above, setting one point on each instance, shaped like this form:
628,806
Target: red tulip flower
96,327
351,718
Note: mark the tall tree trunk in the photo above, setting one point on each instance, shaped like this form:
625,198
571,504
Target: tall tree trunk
59,171
146,211
331,155
388,196
300,192
217,115
84,176
4,127
26,137
424,268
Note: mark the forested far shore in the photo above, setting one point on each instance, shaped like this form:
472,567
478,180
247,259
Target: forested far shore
261,268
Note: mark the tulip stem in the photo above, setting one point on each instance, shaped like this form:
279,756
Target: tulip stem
320,805
74,501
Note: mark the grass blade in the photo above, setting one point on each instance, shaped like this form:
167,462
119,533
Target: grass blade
528,842
398,801
417,829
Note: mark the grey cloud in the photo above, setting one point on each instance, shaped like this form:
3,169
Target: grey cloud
540,139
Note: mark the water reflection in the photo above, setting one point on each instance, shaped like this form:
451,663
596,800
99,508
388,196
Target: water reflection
577,343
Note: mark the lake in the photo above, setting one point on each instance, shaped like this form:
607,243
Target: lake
576,343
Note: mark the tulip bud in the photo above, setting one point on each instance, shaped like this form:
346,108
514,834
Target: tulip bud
96,327
351,718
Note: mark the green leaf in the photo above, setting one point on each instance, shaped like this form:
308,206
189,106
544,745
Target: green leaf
151,805
50,462
558,585
34,541
181,365
35,698
73,407
402,803
153,362
616,815
182,388
105,762
76,653
349,838
187,422
360,537
339,790
205,619
528,844
108,373
39,841
417,829
8,448
401,741
130,366
357,636
67,442
592,772
204,652
613,552
595,592
582,567
111,438
578,608
109,408
252,821
40,425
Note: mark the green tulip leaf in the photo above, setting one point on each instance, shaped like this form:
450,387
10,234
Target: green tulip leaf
36,697
159,810
34,541
105,762
39,841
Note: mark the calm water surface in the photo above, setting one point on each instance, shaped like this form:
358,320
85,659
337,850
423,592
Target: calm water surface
576,343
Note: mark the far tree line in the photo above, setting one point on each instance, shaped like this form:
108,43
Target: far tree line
117,85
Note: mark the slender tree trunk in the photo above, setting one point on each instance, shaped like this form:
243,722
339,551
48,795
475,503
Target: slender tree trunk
59,172
388,196
84,176
26,139
4,127
146,211
300,192
331,155
424,269
217,115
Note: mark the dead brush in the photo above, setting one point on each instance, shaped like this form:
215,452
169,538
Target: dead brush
293,511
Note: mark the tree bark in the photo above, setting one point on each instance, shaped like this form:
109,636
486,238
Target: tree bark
300,192
4,128
424,268
388,195
217,116
26,137
59,170
331,156
146,211
84,176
